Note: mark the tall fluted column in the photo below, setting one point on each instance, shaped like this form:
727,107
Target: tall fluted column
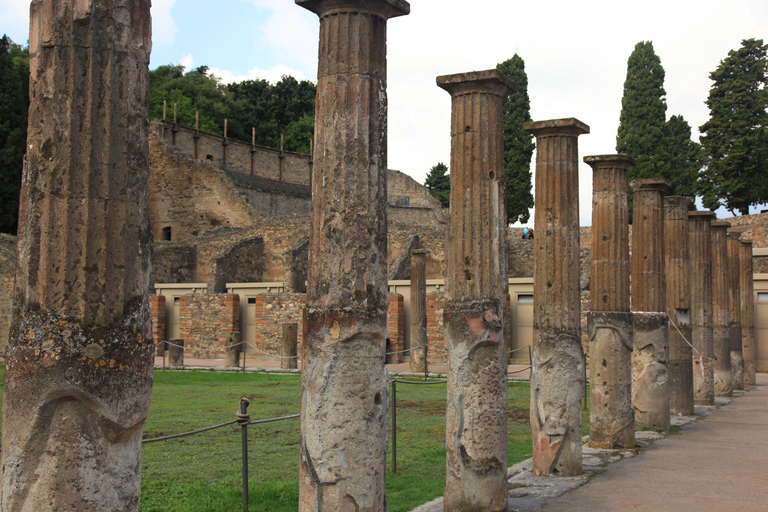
678,287
418,332
721,332
747,285
79,362
700,255
612,420
475,295
734,307
650,359
344,380
557,376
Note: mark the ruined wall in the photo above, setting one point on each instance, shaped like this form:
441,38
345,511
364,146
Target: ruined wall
395,328
402,190
272,311
754,227
7,269
208,322
157,310
435,327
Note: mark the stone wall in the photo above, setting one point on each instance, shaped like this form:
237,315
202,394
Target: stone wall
272,311
435,327
7,270
157,310
209,322
404,191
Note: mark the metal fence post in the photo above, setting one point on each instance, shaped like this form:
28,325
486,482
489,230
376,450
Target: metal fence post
394,426
243,419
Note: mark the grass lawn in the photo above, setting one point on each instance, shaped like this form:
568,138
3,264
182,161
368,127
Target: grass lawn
203,472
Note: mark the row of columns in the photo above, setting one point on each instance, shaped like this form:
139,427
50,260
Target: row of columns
81,318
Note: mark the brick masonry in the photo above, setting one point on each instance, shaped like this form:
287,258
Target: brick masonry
157,309
395,328
272,311
208,322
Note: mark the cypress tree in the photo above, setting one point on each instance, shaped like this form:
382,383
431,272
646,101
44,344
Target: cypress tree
439,184
518,144
735,139
683,157
643,116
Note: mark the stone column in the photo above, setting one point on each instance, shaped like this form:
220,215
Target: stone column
232,347
290,347
650,357
176,352
418,332
721,334
475,292
734,308
80,356
700,255
678,288
557,376
609,322
344,380
747,285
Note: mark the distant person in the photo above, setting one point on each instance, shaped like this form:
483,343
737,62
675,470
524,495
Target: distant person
530,234
526,234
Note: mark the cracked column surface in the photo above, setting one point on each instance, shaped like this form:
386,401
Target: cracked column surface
418,362
700,256
344,381
650,356
721,331
609,322
557,376
747,286
734,308
475,295
80,356
678,287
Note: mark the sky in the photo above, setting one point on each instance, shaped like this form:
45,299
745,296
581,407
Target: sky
575,56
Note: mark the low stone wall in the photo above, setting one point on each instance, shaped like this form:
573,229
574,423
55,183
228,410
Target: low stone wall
208,322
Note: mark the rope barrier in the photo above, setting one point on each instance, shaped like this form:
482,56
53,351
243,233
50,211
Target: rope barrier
520,371
271,420
399,352
205,349
270,355
701,356
418,383
174,436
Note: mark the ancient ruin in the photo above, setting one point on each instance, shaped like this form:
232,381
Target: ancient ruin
557,377
650,377
677,274
79,362
418,361
734,309
609,322
721,331
700,256
288,358
475,293
344,380
746,284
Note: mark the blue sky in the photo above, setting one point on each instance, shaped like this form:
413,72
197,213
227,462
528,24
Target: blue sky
575,54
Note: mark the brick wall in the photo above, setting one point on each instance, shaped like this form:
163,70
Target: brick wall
395,327
435,330
157,309
208,322
272,311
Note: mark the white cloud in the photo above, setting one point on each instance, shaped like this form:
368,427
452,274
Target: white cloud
163,26
272,75
290,33
15,16
188,62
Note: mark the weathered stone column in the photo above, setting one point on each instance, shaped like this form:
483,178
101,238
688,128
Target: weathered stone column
176,352
475,292
80,356
734,307
721,334
557,376
747,285
678,287
290,346
344,380
650,357
232,347
418,361
700,255
609,322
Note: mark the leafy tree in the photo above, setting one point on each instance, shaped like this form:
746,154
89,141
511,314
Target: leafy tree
14,104
272,109
439,184
518,144
735,139
643,116
683,157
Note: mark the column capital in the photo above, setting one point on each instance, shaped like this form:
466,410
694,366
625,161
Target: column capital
613,161
745,241
677,201
706,215
721,224
569,126
490,81
383,8
650,184
735,235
